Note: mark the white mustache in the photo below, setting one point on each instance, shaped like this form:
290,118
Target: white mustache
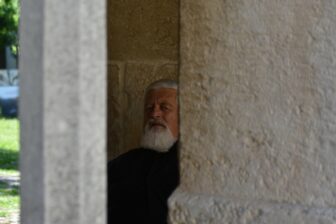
152,122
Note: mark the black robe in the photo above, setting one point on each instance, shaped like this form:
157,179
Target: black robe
139,184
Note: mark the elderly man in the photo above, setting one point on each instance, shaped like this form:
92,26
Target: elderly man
141,180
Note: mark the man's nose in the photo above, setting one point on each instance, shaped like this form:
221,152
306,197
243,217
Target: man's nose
156,112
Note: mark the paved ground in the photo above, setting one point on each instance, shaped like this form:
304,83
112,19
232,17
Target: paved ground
14,219
12,181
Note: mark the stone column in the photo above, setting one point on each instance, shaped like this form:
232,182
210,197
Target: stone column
63,112
258,112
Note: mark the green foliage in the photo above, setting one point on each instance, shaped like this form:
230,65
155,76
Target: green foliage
9,22
9,200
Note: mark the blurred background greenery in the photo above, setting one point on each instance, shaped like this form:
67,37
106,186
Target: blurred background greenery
9,22
9,128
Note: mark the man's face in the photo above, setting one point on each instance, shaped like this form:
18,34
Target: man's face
161,105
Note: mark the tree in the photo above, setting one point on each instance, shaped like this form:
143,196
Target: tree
9,21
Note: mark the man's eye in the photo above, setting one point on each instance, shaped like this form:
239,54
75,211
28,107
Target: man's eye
164,108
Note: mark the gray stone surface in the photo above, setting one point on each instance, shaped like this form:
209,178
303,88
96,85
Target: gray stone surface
210,209
63,60
115,113
263,128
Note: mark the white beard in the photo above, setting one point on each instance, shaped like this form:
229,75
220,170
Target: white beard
157,139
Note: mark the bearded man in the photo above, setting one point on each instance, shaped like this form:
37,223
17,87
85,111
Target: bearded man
141,180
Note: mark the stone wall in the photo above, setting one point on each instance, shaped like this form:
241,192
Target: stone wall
258,112
142,47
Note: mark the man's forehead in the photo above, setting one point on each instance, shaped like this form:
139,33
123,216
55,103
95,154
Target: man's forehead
161,94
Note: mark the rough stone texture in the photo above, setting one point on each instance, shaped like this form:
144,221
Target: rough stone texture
142,47
63,163
194,209
115,113
168,69
263,74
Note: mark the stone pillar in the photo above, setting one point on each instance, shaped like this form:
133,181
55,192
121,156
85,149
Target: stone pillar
142,48
258,112
62,112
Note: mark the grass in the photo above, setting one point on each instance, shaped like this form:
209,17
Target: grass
9,147
9,199
9,157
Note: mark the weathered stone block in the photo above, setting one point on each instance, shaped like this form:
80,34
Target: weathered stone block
262,74
263,127
193,209
143,30
167,70
114,113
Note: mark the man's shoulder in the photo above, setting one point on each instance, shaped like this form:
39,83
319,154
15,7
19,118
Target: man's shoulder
133,157
136,154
